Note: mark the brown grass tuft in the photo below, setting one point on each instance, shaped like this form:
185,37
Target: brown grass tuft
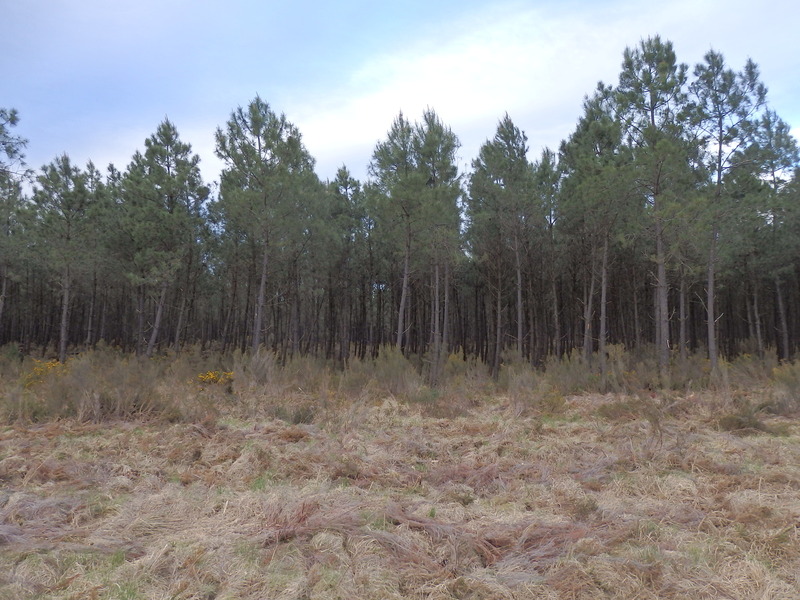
391,495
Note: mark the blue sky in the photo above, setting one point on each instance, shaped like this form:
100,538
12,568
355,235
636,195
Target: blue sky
94,78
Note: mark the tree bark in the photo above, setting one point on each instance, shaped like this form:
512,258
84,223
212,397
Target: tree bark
140,301
601,342
498,333
518,268
157,323
784,331
89,341
588,312
662,322
682,341
556,318
66,285
710,299
436,357
260,302
757,322
446,318
184,291
3,292
403,297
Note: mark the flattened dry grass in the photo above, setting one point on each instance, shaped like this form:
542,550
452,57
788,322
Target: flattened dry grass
613,497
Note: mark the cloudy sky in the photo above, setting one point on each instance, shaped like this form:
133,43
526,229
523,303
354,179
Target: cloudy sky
94,78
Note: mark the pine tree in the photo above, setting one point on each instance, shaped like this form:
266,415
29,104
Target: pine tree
62,207
501,213
162,198
652,100
265,187
724,104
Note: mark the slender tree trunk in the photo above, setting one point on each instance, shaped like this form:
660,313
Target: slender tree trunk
230,317
601,342
446,318
537,334
260,302
3,293
556,318
710,299
183,301
330,345
784,332
140,301
401,313
90,320
103,314
637,324
176,343
757,322
656,315
682,342
344,334
588,313
377,339
294,319
662,289
157,323
437,334
498,332
64,329
520,323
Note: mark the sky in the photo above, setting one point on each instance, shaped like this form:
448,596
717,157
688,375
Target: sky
93,78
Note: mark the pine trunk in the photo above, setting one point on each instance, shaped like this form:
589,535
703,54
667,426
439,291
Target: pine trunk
601,342
662,322
401,313
64,328
710,299
260,302
784,325
518,268
157,323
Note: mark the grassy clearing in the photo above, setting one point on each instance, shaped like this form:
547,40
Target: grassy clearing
255,487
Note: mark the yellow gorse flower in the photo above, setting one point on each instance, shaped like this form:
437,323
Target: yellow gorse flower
215,377
41,370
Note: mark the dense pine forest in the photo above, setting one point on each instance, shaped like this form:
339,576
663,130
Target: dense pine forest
667,222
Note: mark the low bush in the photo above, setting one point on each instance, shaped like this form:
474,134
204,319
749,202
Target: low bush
108,384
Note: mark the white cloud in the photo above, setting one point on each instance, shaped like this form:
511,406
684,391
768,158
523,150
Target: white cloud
537,65
520,62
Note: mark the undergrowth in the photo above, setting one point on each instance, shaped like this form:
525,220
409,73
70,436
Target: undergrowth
240,477
105,384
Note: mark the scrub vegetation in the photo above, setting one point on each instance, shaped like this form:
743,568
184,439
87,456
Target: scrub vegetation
126,478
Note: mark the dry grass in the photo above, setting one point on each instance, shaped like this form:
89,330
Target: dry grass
611,497
300,482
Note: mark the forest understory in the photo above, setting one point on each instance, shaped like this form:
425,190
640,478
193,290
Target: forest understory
204,476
